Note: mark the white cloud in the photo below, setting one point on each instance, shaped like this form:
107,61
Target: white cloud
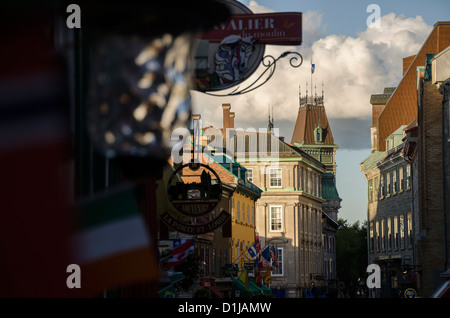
351,69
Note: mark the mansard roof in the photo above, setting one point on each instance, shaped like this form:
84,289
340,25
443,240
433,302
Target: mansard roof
310,117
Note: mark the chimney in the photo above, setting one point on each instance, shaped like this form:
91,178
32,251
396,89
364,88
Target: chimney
226,117
232,115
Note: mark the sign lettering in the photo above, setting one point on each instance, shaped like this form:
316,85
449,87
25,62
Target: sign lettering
282,28
195,229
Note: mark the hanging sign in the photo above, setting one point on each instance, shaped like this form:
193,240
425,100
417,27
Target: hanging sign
196,196
195,229
230,52
283,28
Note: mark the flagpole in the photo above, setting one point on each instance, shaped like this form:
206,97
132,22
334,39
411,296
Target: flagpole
247,251
311,76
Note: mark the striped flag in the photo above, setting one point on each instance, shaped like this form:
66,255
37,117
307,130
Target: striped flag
179,254
274,255
113,246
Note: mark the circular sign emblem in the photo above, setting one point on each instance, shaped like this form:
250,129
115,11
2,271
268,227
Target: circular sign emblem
199,192
410,293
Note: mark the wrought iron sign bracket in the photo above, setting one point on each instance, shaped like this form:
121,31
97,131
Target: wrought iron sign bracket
270,63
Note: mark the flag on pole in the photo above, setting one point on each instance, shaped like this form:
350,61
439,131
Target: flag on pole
313,68
168,292
179,254
253,251
112,245
274,255
265,253
267,278
244,279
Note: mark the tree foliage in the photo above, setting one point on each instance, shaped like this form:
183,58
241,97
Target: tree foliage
351,254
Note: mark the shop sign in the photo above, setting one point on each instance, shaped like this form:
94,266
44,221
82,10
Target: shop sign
194,229
229,53
283,28
410,293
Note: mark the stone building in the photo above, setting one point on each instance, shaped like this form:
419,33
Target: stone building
390,217
433,164
312,134
289,213
407,122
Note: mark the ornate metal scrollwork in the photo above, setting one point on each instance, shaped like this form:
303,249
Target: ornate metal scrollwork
270,63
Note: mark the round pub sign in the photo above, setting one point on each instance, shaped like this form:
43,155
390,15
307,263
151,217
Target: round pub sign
229,53
194,190
410,293
198,192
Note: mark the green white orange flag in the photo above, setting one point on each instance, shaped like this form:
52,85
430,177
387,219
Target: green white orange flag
113,246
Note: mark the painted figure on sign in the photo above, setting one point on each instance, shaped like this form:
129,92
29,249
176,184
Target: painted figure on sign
232,56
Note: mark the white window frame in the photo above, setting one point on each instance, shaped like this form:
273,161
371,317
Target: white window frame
276,178
271,218
250,175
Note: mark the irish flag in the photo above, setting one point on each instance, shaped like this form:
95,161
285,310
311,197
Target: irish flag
112,246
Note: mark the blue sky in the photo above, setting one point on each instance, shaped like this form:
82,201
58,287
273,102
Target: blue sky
352,61
349,16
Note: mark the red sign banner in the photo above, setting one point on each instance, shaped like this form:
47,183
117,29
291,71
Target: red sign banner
281,28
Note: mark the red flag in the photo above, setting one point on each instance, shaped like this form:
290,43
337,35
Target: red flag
274,255
179,254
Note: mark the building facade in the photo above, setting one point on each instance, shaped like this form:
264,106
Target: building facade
390,216
433,161
289,214
407,212
313,134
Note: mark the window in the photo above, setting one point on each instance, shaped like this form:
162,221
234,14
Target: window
278,271
237,212
276,219
377,236
396,238
371,243
389,233
388,184
375,189
232,209
248,214
253,215
382,234
382,187
318,134
243,212
400,179
410,229
394,181
408,177
275,178
370,190
250,174
402,230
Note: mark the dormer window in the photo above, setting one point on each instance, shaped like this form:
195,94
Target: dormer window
318,134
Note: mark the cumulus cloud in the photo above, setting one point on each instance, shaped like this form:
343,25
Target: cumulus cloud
350,68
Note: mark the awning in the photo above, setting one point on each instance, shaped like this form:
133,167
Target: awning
254,289
217,292
443,291
244,292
